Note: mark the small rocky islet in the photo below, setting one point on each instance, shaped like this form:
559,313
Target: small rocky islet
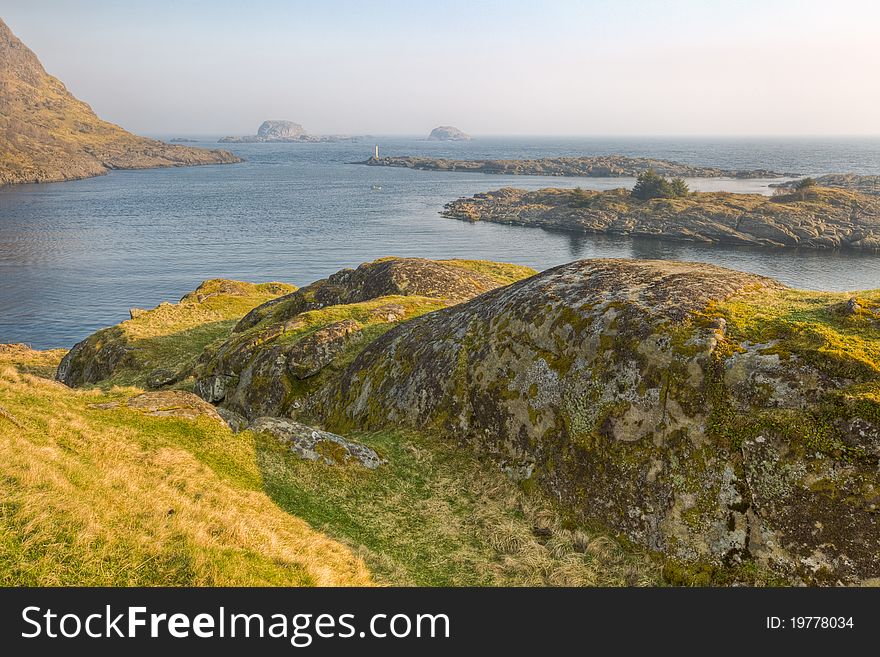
722,420
281,131
822,218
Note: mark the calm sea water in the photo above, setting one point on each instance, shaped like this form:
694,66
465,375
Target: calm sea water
75,256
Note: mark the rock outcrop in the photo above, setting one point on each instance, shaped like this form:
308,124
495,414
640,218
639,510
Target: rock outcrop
283,350
280,130
824,218
447,133
602,166
637,394
46,134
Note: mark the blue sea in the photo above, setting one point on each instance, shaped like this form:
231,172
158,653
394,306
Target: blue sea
75,256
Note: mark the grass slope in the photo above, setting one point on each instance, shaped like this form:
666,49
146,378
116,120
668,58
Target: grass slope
113,497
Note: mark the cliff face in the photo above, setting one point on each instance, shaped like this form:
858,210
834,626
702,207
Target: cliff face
47,134
822,218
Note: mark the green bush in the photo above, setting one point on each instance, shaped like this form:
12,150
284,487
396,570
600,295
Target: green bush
650,184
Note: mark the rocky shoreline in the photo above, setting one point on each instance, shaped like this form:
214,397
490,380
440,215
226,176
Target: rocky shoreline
824,219
606,166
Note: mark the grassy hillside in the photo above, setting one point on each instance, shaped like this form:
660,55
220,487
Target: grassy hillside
94,496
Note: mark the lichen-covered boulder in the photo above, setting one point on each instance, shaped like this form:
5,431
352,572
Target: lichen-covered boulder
311,354
316,445
640,394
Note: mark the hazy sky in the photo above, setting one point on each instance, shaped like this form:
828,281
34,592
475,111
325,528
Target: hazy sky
591,67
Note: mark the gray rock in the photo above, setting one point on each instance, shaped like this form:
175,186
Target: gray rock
213,388
280,130
447,133
236,422
316,445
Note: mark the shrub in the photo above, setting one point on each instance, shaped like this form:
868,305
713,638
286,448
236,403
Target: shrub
650,184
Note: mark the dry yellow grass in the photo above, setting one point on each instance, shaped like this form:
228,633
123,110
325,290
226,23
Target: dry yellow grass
111,497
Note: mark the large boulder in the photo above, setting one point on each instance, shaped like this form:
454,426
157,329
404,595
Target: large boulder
621,389
386,277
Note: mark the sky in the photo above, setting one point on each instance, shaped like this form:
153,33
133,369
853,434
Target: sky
624,67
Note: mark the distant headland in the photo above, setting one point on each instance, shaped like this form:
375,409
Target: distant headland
49,135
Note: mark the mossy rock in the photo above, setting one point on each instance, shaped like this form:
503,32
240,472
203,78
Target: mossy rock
649,399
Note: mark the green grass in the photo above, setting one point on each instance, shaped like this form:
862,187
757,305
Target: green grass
111,497
813,326
502,272
439,515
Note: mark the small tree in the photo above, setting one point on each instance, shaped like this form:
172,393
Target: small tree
650,184
679,187
804,187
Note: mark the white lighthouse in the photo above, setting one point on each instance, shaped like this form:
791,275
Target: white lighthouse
376,156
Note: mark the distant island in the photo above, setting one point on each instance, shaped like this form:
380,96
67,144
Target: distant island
863,184
48,135
448,133
820,218
285,132
601,166
182,140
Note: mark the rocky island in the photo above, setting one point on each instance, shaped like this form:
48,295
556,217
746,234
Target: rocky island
722,421
281,132
47,134
603,166
823,218
448,133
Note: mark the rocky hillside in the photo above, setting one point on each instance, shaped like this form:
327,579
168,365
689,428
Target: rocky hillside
823,218
721,420
46,134
602,166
